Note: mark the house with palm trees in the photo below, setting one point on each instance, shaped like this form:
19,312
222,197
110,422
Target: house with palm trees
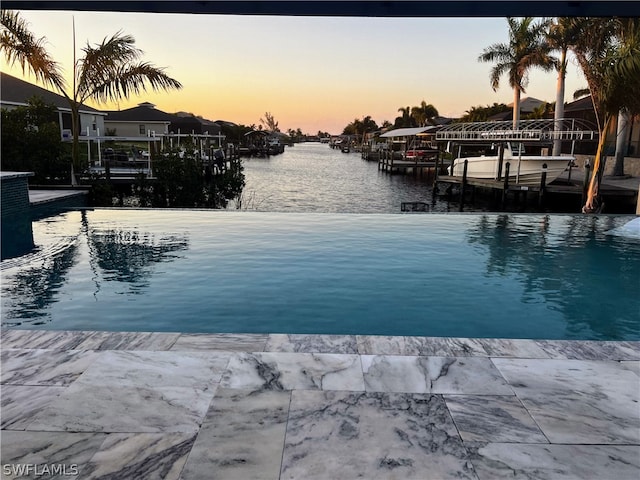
107,71
528,105
16,92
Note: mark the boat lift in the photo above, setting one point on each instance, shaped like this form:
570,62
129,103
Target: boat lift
540,131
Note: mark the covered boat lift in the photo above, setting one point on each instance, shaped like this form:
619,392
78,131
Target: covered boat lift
540,132
403,140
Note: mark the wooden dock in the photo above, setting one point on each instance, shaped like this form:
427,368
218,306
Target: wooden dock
572,183
393,162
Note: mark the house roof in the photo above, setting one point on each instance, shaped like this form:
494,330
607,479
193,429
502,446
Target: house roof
579,105
182,120
18,92
144,112
528,104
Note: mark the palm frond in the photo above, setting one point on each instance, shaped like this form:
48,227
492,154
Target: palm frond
130,80
496,72
608,52
102,62
20,46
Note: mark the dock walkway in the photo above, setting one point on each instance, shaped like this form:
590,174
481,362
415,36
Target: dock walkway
626,188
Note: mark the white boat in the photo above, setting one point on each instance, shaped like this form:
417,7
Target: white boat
525,165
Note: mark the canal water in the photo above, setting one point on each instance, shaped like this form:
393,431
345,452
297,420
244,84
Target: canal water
312,177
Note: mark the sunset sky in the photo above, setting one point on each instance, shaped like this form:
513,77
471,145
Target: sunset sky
312,73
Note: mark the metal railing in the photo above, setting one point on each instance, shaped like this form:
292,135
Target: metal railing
540,130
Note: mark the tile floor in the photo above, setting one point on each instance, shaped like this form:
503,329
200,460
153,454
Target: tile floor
88,405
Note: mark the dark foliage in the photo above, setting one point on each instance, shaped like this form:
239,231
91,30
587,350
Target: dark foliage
31,142
188,181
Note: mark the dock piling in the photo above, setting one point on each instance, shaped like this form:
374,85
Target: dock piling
464,183
500,160
506,184
543,182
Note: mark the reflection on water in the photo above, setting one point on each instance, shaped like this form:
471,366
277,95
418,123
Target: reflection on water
471,275
117,255
39,276
131,256
35,288
569,263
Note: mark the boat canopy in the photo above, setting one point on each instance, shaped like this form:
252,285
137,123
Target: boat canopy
258,132
539,130
409,132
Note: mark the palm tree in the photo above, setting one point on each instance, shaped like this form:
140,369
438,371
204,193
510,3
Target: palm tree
526,49
424,114
479,113
629,66
108,71
405,120
561,36
608,51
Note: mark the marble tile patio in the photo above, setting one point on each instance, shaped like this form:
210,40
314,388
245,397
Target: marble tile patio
89,405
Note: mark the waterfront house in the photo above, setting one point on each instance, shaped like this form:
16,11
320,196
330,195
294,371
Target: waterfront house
15,92
142,120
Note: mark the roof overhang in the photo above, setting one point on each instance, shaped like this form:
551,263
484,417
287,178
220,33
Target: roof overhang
107,120
257,132
60,109
409,132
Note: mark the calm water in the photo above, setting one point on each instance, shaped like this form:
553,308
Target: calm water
470,275
312,177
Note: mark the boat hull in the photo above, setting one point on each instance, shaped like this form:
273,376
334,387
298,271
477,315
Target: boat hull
529,172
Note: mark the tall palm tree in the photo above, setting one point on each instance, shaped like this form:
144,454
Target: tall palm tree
561,37
109,71
608,52
629,38
526,49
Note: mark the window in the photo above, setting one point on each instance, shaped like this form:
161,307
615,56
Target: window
66,121
143,130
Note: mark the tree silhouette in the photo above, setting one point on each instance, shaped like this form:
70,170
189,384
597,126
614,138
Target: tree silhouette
109,71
